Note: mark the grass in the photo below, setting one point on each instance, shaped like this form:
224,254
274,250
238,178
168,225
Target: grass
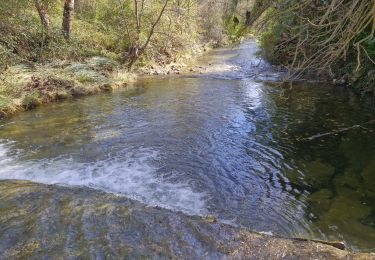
25,87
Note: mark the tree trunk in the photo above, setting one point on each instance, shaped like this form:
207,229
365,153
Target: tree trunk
42,14
137,16
141,50
260,7
68,18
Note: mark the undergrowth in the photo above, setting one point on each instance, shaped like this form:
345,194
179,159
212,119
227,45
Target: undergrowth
331,39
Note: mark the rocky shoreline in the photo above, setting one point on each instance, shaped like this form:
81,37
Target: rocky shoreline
49,221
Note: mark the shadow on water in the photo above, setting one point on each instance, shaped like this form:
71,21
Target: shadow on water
222,143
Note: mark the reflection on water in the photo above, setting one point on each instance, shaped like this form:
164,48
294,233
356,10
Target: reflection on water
220,143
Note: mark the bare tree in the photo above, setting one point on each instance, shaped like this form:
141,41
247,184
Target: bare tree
68,18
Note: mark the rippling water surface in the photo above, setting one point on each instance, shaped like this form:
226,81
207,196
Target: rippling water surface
223,142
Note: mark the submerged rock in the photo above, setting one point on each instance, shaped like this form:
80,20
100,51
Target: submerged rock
46,221
318,174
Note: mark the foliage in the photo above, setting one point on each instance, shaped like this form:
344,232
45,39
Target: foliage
35,55
103,28
334,39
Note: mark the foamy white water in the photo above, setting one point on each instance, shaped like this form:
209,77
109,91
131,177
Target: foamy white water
133,175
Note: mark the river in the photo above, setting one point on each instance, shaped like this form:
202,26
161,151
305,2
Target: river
227,142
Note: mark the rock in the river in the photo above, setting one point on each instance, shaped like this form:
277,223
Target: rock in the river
52,222
318,174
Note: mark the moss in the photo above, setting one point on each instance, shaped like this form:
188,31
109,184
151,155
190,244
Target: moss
31,100
84,78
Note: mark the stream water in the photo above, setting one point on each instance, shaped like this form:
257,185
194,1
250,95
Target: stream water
224,142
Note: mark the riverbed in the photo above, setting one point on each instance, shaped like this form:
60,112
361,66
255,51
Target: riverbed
226,140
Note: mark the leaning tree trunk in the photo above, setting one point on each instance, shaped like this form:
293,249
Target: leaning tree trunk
42,14
68,18
139,51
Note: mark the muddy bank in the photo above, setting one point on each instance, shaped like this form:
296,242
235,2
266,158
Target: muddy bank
41,221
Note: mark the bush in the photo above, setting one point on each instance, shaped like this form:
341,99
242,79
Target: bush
332,39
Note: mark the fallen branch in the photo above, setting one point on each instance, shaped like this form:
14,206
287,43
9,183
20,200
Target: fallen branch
336,131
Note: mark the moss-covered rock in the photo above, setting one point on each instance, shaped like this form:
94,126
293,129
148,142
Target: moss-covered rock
318,174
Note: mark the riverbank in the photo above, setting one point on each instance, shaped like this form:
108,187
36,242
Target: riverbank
42,61
47,221
26,86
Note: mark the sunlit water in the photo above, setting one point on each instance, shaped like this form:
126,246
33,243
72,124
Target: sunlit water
223,142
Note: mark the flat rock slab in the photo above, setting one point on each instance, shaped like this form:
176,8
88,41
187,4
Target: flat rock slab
54,222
